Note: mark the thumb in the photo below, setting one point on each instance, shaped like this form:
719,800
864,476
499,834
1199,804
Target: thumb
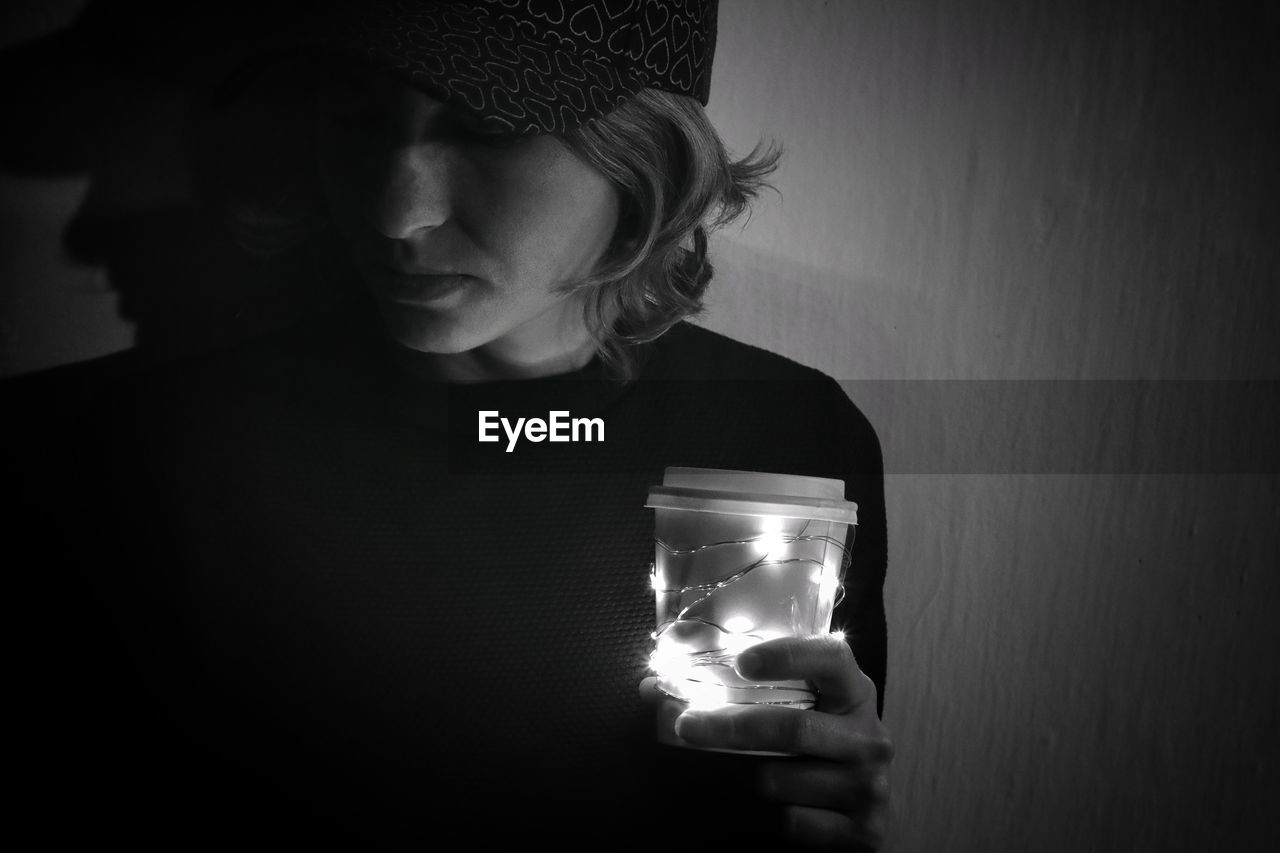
649,692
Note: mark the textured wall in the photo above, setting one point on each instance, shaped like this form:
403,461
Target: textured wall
1083,574
974,196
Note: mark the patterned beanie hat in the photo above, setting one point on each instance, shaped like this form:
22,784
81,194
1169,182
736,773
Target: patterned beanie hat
526,66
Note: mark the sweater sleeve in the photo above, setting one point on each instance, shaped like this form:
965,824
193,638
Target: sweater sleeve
861,612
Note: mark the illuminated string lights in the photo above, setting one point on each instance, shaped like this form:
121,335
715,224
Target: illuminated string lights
704,625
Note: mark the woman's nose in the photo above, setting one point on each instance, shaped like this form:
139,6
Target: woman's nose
412,191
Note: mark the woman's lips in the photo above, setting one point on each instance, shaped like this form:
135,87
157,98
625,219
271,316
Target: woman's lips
417,288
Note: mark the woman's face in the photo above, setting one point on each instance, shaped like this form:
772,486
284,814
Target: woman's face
461,237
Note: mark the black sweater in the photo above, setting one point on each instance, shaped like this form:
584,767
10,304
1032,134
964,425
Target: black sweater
285,592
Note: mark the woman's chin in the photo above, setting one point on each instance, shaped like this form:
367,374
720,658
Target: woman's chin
425,331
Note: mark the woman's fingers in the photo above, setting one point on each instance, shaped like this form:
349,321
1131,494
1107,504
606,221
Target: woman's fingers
826,830
774,729
838,798
824,784
824,659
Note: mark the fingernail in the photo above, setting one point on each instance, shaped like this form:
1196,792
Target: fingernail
748,662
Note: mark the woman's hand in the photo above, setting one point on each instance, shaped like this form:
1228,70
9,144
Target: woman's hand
835,793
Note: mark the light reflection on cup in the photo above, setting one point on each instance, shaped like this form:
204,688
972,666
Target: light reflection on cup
740,557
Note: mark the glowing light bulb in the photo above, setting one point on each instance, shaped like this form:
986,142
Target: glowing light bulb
738,624
704,695
676,665
736,643
770,540
670,659
828,583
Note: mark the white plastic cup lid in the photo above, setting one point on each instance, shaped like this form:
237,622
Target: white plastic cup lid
753,493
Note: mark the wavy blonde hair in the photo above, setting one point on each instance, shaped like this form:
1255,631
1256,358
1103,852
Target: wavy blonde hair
677,182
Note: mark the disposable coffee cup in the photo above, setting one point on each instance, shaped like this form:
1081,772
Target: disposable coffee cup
740,557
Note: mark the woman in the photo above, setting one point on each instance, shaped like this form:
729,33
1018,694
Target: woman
351,615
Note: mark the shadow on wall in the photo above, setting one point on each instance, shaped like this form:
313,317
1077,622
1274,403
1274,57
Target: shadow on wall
111,99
